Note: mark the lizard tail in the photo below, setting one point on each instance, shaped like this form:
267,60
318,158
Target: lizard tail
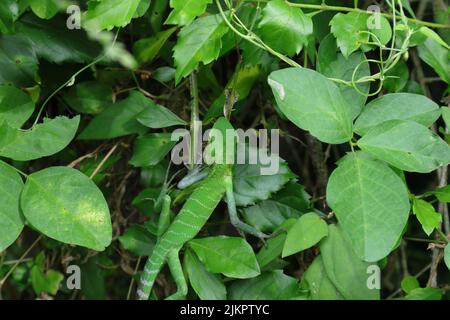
150,272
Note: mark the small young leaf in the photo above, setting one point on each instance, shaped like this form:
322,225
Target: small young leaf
42,281
409,283
67,206
306,232
350,31
443,194
427,216
231,256
208,286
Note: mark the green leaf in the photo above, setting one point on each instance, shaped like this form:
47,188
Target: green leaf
9,12
208,286
397,106
443,194
345,270
151,148
384,33
332,64
427,216
45,9
348,28
250,185
119,119
446,116
409,283
271,285
397,77
67,206
305,233
437,57
16,107
65,45
138,240
424,294
90,97
231,256
198,42
41,281
284,28
185,11
18,61
447,256
406,145
107,14
11,222
93,279
156,116
371,203
319,285
145,50
43,140
313,103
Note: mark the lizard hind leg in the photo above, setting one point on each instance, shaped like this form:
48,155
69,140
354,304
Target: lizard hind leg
173,260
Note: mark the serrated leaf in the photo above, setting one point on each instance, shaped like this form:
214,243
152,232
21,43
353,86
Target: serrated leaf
319,285
138,240
208,286
11,221
151,148
343,267
397,106
332,64
119,119
67,206
16,107
185,11
348,28
313,103
271,285
285,28
198,42
107,14
305,233
427,216
43,140
406,145
231,256
371,203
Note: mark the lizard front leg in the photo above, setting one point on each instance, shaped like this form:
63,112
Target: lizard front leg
173,260
234,218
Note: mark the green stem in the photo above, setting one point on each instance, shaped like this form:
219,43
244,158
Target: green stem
195,118
442,235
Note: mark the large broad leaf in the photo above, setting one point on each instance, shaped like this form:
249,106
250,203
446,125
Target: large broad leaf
306,232
232,256
397,106
285,28
271,285
43,140
90,97
45,9
198,42
18,61
427,216
16,107
348,28
313,103
185,11
138,240
151,148
147,49
11,223
250,185
437,57
108,14
156,116
55,43
9,12
334,65
406,145
371,203
320,286
345,270
118,119
66,205
208,286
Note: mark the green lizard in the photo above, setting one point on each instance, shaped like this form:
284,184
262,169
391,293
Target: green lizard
189,221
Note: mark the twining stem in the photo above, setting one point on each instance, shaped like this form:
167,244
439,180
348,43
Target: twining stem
325,7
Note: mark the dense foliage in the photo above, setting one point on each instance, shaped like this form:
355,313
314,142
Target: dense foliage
91,91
